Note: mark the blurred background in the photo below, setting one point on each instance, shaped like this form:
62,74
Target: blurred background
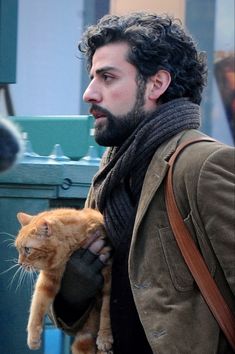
42,79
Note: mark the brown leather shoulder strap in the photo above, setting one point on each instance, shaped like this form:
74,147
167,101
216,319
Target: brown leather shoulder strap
193,258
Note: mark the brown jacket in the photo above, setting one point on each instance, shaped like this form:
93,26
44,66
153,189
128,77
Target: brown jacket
173,313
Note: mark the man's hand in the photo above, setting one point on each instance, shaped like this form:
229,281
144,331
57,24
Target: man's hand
82,278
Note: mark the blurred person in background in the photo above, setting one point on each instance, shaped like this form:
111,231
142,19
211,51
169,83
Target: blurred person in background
11,144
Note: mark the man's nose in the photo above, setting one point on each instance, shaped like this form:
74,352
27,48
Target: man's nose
92,94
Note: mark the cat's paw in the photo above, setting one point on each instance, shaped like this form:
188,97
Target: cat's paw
34,340
34,344
84,343
104,341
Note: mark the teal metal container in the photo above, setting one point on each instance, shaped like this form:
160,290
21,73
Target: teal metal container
73,133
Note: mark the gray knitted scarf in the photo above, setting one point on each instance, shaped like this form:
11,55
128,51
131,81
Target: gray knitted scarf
118,184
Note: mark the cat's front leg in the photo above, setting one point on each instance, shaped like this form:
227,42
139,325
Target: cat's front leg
44,294
34,336
35,322
104,339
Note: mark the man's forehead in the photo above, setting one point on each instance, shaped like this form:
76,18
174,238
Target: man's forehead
110,57
111,52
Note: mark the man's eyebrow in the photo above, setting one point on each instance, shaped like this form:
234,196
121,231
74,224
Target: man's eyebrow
104,69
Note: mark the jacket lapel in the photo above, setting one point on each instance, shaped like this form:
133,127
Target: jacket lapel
155,174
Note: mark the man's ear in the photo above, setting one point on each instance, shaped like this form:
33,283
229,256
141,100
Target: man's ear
159,84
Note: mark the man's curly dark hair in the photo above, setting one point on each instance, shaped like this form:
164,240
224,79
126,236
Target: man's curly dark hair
155,42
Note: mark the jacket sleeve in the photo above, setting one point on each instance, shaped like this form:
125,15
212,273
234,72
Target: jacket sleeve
216,205
66,318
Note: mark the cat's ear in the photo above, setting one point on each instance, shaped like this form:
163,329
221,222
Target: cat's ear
46,228
24,218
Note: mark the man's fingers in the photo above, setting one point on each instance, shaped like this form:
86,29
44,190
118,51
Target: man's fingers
98,252
96,246
97,265
89,257
92,238
104,257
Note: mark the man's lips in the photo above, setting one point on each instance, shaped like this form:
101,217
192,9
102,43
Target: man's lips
98,115
100,118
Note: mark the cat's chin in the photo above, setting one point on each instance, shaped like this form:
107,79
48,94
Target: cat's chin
29,268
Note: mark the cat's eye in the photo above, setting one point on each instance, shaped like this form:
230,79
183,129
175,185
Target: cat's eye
27,250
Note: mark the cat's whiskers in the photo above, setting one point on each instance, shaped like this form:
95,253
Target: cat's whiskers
12,237
14,276
23,275
10,241
20,279
7,233
10,244
12,260
10,268
28,273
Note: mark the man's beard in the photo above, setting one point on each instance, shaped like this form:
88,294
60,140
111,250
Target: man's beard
118,128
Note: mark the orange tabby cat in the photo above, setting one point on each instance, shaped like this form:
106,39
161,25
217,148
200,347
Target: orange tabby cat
45,242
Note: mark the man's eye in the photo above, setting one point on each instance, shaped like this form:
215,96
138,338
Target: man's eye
27,250
107,77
